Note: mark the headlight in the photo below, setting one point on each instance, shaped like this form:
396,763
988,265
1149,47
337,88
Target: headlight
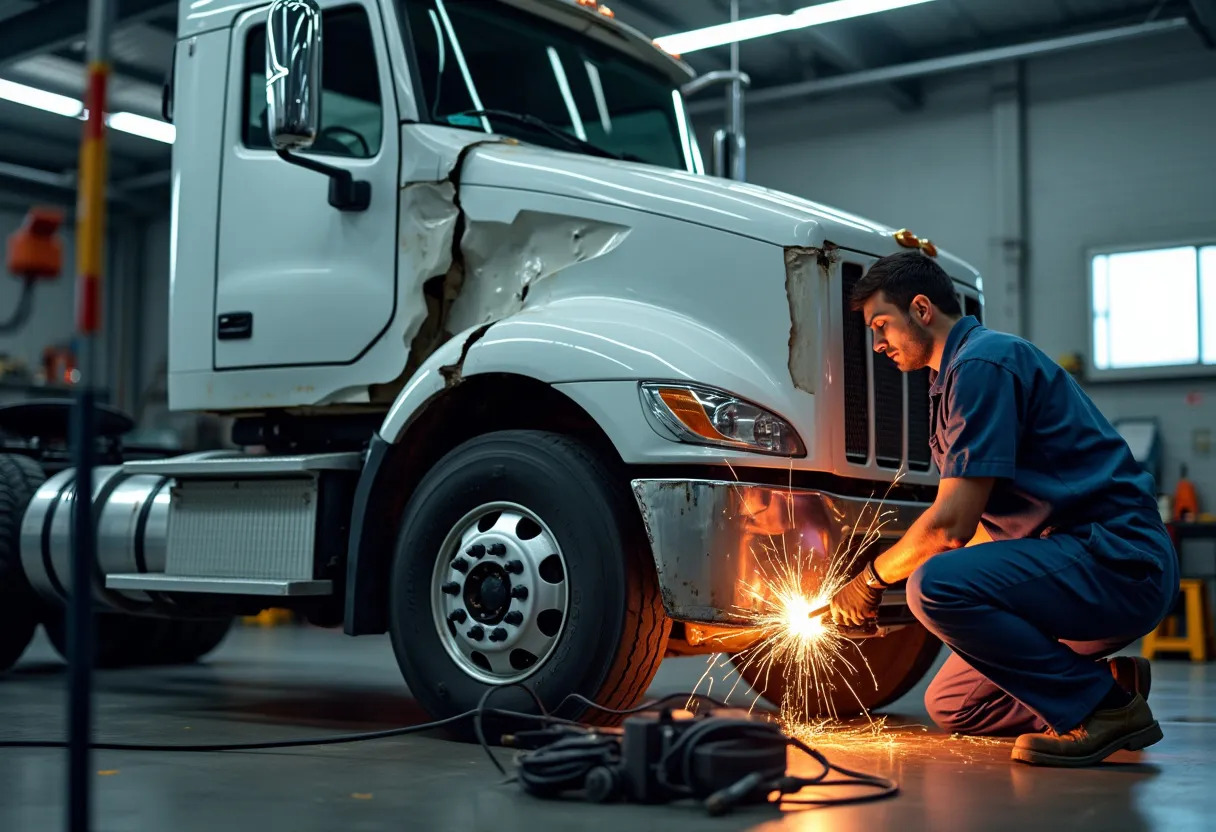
711,417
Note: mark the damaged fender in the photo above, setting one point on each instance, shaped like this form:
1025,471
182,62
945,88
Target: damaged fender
598,349
442,369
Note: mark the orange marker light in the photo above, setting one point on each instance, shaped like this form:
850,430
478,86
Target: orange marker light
607,12
906,238
588,3
927,247
688,410
659,47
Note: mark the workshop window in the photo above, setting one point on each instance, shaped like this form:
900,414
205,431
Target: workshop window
352,117
1154,311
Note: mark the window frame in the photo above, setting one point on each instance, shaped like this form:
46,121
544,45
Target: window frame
386,122
1198,370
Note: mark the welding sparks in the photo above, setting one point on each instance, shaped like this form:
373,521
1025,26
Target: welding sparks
811,655
807,652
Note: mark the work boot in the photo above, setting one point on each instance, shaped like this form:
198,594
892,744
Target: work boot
1132,673
1130,728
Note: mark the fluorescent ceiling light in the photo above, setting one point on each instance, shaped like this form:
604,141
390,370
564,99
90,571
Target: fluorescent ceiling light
40,99
772,24
149,128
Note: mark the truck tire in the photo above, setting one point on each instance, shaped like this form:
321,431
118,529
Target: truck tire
898,661
121,640
554,519
20,477
192,639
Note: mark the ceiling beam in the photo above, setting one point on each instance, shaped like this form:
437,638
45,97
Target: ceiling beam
848,52
120,69
1203,18
957,62
59,23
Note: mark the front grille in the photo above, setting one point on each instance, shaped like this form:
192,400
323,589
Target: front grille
918,420
883,383
888,413
856,374
971,306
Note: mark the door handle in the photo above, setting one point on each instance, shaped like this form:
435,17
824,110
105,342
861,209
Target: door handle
234,326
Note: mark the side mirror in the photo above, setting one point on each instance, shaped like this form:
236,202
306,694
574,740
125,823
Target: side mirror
293,73
293,96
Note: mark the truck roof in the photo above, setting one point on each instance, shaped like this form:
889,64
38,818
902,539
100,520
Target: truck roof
198,16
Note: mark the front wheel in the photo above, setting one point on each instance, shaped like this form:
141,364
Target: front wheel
892,666
521,559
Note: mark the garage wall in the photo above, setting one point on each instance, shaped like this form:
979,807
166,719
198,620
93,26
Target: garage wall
1118,148
1131,165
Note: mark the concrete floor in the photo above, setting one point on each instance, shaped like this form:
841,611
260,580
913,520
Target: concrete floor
293,682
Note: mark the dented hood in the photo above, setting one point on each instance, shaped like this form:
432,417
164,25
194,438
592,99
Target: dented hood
735,207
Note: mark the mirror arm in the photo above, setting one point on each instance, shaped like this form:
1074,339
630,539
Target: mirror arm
345,192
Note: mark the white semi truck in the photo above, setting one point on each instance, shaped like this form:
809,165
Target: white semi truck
514,380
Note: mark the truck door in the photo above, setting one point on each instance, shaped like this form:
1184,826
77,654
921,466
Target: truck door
299,282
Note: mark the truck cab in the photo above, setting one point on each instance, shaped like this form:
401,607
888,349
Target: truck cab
513,379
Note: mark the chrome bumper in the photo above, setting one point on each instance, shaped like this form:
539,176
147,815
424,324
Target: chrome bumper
716,544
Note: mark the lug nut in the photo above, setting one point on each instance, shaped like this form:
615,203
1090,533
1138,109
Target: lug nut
450,588
460,565
498,548
498,634
476,632
458,616
476,551
520,592
515,567
514,617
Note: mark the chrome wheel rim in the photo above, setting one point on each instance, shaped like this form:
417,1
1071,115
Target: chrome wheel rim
500,593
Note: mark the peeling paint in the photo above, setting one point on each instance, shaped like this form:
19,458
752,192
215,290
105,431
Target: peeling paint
476,272
432,222
803,268
504,261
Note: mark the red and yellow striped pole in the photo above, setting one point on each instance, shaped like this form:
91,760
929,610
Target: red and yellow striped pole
90,267
91,205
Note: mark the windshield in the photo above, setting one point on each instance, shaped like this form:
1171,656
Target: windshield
475,55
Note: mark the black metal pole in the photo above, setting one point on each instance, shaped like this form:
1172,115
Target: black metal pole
90,254
80,619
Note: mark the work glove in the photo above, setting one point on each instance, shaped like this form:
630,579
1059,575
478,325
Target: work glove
856,604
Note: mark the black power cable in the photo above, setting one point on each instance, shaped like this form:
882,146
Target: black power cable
565,755
585,760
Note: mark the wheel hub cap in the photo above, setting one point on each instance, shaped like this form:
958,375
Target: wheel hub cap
487,593
499,593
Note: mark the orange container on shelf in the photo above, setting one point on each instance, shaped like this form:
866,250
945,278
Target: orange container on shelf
1186,501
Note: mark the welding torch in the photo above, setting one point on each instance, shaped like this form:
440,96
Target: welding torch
871,629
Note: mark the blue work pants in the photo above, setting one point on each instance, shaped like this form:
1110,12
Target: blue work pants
1027,621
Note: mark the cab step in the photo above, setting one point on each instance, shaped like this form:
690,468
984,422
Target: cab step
218,586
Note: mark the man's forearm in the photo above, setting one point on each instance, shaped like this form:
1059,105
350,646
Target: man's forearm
931,534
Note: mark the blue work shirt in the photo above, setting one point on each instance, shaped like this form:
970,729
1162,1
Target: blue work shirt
1001,408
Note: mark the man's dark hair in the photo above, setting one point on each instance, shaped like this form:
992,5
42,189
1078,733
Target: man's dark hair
902,277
